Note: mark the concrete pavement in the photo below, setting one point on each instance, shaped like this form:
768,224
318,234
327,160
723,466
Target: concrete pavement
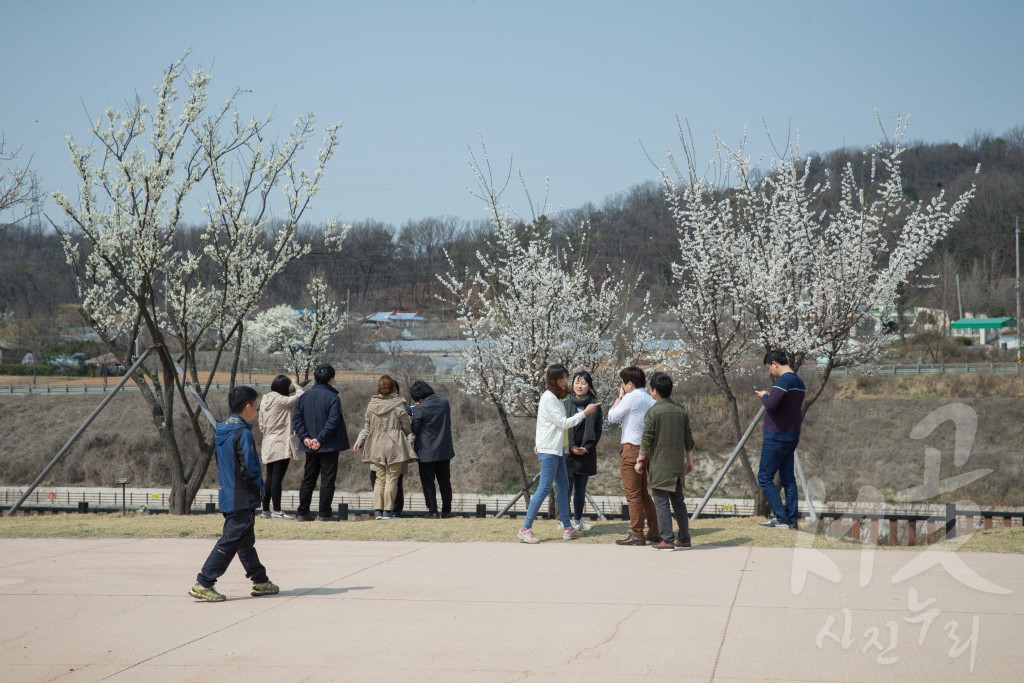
117,610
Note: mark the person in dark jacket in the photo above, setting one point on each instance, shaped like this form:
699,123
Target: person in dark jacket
320,429
783,415
241,490
432,425
581,462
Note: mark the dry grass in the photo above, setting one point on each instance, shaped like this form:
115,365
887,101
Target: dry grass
718,532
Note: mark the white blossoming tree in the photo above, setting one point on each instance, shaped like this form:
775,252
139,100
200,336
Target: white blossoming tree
528,306
138,287
770,260
301,336
19,187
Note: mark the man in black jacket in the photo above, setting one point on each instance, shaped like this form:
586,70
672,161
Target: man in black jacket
432,425
320,429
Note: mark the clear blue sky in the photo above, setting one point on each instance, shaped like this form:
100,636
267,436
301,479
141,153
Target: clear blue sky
569,89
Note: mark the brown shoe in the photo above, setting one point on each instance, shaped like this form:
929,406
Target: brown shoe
631,540
664,545
682,544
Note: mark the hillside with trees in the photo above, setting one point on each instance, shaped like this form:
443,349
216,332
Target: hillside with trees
384,266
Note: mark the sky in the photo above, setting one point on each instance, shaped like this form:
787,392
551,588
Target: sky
582,96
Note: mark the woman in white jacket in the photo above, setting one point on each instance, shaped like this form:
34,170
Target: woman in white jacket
278,445
551,426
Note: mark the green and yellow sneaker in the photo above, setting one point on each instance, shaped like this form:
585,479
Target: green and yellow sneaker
207,594
267,588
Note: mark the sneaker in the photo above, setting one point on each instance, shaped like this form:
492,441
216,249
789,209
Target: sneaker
208,594
581,525
775,523
389,515
265,514
526,536
664,545
569,534
379,514
279,515
266,588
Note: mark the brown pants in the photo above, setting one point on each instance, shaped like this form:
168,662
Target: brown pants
641,505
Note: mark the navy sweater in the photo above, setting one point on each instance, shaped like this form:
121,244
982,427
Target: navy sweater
782,406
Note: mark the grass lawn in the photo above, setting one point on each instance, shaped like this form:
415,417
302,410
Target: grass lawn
721,532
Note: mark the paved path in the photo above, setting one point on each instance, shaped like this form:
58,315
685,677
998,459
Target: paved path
117,610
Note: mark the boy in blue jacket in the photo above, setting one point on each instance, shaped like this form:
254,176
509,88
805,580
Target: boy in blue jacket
241,493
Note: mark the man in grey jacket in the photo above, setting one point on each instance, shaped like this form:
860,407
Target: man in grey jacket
432,425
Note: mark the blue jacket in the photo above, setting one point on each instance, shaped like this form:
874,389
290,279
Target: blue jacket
238,467
318,416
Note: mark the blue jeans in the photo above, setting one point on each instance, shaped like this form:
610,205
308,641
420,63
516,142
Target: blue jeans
552,469
777,456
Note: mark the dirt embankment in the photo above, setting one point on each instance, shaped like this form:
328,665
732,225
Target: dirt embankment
857,435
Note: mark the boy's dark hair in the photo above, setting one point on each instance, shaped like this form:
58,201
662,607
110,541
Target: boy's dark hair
661,383
323,374
776,356
635,375
240,397
282,384
420,390
556,372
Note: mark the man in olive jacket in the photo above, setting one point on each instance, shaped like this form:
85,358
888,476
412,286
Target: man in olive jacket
666,450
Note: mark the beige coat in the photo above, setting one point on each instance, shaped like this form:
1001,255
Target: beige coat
276,425
387,437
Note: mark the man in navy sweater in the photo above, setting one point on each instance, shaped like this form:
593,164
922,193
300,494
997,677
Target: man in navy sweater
782,418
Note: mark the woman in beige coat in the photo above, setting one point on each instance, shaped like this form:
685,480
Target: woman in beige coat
278,445
386,442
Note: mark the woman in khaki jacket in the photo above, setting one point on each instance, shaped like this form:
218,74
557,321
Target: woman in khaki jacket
386,442
278,445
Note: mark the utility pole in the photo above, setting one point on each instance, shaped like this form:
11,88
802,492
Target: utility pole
959,301
1016,287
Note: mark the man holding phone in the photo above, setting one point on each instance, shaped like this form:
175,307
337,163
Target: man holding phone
783,405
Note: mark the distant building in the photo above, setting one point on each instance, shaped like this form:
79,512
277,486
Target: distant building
981,330
393,319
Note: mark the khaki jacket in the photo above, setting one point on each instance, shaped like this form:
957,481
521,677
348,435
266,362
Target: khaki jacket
276,425
387,437
666,439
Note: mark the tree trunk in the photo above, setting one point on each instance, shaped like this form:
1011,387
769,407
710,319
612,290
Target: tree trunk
510,437
760,502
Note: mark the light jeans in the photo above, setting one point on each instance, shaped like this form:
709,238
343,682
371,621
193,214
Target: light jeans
552,470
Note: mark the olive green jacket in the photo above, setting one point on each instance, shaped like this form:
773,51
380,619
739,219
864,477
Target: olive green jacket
666,439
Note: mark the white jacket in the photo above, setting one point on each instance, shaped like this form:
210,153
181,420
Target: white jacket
552,423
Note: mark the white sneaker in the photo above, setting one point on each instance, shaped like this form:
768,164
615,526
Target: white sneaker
571,534
265,514
526,536
279,514
580,525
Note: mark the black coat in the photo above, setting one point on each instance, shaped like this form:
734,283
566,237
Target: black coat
585,434
432,425
318,416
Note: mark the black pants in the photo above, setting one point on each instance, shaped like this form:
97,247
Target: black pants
662,499
399,495
578,493
441,471
237,538
324,465
272,486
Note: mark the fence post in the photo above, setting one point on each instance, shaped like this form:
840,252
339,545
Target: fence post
950,521
343,511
